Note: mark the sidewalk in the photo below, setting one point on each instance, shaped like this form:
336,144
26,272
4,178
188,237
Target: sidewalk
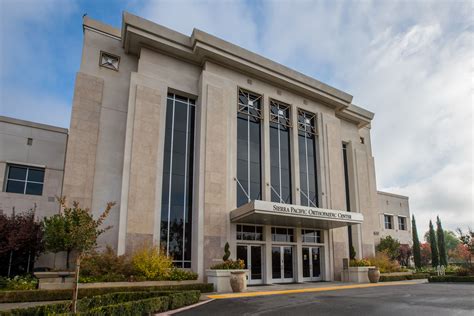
276,289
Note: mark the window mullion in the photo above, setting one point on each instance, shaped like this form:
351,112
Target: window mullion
185,180
170,180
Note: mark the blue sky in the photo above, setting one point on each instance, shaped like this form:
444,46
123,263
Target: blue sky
410,62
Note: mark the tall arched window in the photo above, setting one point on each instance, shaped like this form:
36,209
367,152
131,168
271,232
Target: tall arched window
307,158
176,201
280,158
249,117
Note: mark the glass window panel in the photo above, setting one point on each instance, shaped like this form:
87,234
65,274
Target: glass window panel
35,175
15,186
18,173
178,156
34,188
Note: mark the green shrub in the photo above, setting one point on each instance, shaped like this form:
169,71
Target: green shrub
139,307
178,300
58,295
124,303
39,310
391,278
106,267
177,274
359,263
382,261
21,282
114,298
451,278
463,272
152,263
229,265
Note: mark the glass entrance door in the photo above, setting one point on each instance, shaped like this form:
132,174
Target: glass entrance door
282,264
252,257
312,263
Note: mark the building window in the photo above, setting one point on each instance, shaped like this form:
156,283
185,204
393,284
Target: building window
249,232
402,223
347,188
311,236
24,180
388,220
282,234
280,163
307,157
249,177
177,193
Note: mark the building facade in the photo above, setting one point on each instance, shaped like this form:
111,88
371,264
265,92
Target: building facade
32,159
201,142
394,218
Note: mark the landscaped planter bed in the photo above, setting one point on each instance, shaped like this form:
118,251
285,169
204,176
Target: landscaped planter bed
59,295
402,277
220,279
451,278
356,274
123,303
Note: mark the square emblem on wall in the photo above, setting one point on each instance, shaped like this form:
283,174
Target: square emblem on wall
108,60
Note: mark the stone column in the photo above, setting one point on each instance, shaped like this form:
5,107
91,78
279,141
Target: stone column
83,138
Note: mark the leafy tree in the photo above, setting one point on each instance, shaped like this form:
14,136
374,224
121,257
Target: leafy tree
434,247
390,246
352,253
461,253
425,254
416,244
405,254
467,239
74,229
450,239
20,242
443,258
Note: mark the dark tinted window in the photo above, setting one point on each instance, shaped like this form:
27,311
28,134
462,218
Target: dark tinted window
307,158
176,203
280,162
25,180
248,177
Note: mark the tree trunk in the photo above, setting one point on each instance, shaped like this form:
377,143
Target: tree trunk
68,252
29,259
10,263
76,284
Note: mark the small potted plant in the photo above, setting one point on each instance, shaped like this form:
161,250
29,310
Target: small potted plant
229,275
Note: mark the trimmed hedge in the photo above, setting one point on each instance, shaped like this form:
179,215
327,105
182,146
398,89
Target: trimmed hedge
391,278
140,307
60,295
124,303
181,299
451,278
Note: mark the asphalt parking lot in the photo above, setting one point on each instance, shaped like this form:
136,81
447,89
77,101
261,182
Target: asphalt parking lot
417,299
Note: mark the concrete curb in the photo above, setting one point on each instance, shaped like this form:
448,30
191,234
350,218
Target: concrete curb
182,309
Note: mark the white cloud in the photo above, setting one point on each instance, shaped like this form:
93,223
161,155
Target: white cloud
31,63
410,63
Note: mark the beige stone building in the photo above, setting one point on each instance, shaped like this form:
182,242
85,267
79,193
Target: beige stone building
201,142
394,218
32,159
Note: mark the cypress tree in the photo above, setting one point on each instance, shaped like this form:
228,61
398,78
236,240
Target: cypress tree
443,258
434,247
416,244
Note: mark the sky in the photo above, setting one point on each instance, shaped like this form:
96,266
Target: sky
409,62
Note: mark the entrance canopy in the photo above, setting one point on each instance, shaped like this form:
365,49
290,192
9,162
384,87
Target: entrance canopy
278,214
